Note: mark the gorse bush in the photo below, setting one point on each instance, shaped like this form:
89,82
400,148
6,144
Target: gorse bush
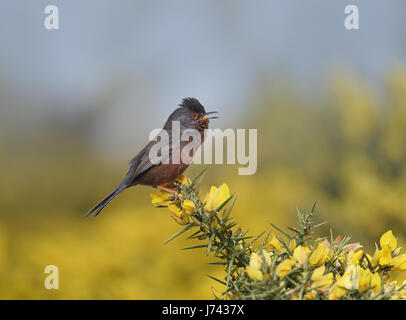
278,264
341,144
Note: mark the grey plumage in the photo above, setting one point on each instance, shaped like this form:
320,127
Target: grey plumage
142,170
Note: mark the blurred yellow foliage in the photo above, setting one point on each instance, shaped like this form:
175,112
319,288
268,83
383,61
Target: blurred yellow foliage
346,150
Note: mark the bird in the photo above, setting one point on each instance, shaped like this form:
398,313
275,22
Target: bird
190,114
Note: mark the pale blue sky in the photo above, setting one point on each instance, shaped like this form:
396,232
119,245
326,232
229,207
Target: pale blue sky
166,50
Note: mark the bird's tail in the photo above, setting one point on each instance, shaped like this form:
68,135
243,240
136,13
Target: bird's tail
100,206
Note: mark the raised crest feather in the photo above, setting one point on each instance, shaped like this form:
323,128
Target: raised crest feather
192,104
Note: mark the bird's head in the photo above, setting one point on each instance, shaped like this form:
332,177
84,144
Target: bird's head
191,114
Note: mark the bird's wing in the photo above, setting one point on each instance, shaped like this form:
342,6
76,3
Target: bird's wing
142,162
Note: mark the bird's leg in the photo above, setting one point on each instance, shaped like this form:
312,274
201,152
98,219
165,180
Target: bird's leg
175,194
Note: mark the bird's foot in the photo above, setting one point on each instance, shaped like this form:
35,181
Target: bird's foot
175,194
178,197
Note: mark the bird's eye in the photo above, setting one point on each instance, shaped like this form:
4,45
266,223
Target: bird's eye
194,115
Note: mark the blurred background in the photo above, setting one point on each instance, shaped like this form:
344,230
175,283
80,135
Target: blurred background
77,103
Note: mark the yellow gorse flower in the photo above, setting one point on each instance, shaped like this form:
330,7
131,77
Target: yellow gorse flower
274,243
323,269
254,268
388,241
184,180
319,255
368,280
401,295
256,263
341,259
254,274
310,295
284,267
178,215
354,257
357,278
300,254
182,215
364,279
292,244
188,207
160,199
338,289
320,280
388,255
216,197
399,262
382,257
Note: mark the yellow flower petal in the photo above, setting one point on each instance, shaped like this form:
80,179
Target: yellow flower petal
292,244
301,253
284,267
350,277
184,180
158,199
175,209
254,273
331,253
255,261
188,207
318,273
354,257
319,255
179,215
208,199
364,279
274,243
388,240
399,262
376,282
338,289
216,197
385,256
222,194
324,282
267,257
310,295
182,219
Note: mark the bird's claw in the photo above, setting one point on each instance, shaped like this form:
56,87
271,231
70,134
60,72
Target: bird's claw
177,197
174,193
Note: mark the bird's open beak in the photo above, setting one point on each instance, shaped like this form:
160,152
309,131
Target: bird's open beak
204,116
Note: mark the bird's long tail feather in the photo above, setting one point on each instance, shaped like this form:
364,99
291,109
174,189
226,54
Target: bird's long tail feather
102,204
